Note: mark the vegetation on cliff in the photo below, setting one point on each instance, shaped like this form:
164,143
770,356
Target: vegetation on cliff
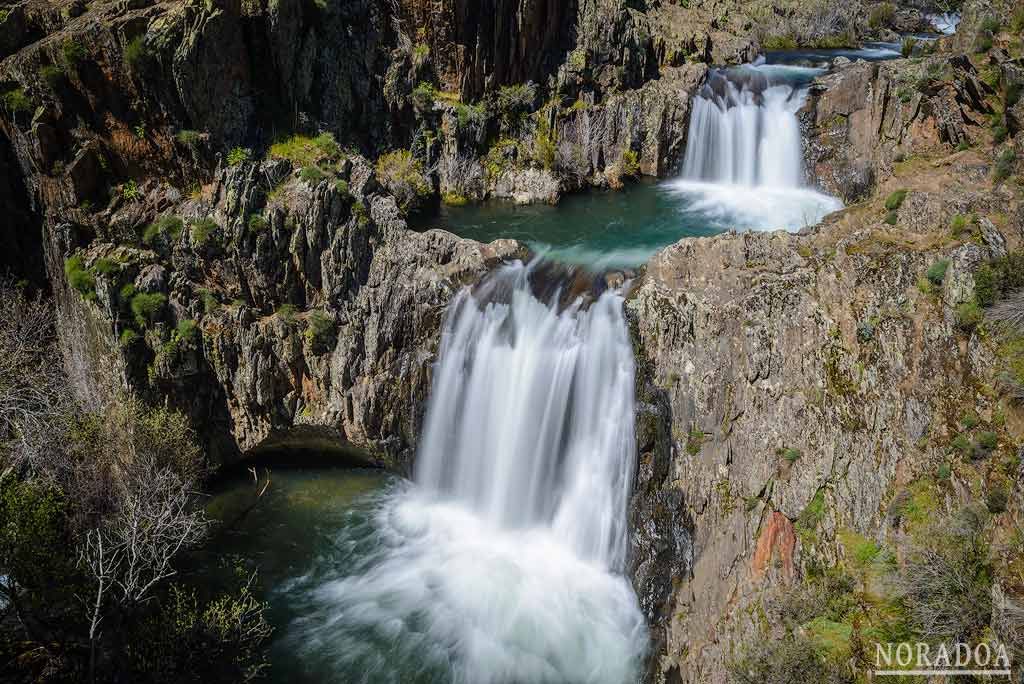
98,508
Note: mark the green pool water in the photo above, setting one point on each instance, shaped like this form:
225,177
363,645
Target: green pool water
308,526
598,228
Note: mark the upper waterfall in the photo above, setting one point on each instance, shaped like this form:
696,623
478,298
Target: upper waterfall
744,152
744,130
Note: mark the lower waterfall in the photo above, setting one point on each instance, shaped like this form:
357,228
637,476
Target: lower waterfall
744,155
503,562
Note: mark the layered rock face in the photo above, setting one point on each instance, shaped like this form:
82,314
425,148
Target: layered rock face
317,314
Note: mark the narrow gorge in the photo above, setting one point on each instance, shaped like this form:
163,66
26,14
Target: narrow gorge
509,342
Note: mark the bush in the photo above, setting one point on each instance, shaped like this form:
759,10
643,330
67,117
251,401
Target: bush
989,24
514,102
958,224
630,164
544,150
996,500
238,155
947,580
106,267
202,230
895,200
79,278
147,307
985,288
165,226
186,331
137,55
982,43
256,223
311,175
792,455
908,45
988,440
210,303
130,190
969,315
892,217
783,661
1000,133
17,102
423,96
287,313
129,337
302,150
53,75
882,15
73,53
188,138
970,420
341,187
1017,20
320,333
936,273
1004,164
402,174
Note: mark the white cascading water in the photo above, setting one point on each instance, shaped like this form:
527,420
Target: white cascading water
744,155
504,562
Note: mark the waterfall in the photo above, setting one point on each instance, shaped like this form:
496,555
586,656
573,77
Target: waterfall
503,562
744,154
745,132
531,418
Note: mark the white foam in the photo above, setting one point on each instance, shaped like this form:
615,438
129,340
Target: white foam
756,207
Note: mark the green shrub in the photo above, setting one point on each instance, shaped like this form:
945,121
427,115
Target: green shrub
186,331
895,200
73,52
892,217
80,279
1017,19
989,24
988,440
126,293
514,102
470,115
792,455
341,187
210,303
53,75
961,444
958,224
780,43
969,315
780,661
302,150
882,15
985,288
454,199
238,155
970,420
202,230
1004,164
996,500
982,43
311,175
402,174
694,441
137,55
936,273
944,472
423,96
544,150
129,337
256,223
17,102
188,138
320,333
130,190
630,164
908,45
168,225
999,133
287,313
147,307
106,267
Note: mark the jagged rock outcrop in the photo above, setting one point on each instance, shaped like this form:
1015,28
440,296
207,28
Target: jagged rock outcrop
800,368
861,119
309,319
